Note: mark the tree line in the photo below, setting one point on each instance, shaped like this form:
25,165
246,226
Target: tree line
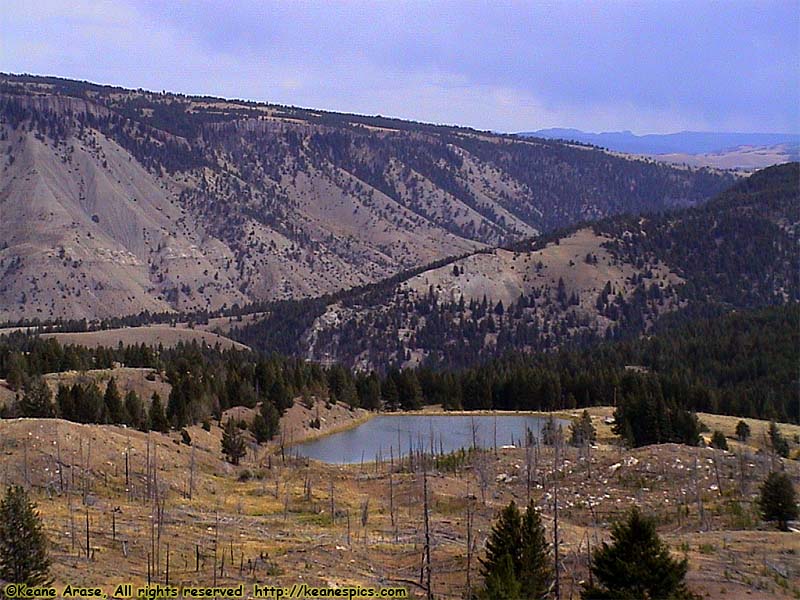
739,364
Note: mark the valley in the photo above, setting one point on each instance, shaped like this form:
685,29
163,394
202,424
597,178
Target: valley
197,294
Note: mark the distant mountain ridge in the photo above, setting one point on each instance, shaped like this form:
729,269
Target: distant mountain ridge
683,142
116,201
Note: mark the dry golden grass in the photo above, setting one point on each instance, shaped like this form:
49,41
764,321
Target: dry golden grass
280,520
151,335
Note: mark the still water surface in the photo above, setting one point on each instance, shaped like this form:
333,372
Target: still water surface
385,434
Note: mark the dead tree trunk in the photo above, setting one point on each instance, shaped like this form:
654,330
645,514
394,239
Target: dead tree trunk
88,550
191,474
60,464
557,587
428,587
698,494
332,504
469,547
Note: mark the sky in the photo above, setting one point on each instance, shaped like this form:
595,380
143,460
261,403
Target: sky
647,66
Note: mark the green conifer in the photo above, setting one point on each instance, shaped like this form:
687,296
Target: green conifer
637,564
23,545
157,419
115,410
778,501
37,400
233,444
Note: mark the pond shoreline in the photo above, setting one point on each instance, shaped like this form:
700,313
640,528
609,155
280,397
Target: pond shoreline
454,432
432,411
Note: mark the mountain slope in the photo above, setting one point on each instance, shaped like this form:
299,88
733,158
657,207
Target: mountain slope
613,279
116,201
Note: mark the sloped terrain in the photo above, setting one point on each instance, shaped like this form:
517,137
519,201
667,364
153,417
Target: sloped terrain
270,520
613,279
117,201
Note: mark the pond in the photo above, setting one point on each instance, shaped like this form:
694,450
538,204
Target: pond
397,434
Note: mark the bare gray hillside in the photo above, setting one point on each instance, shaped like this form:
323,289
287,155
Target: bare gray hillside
117,201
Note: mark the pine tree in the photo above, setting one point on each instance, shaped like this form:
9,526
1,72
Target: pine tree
410,390
582,432
65,403
636,565
37,400
23,545
113,402
778,501
369,392
266,423
550,432
134,411
742,431
502,583
88,403
15,376
280,396
233,445
535,576
390,395
777,441
505,538
157,419
517,562
177,404
504,545
718,440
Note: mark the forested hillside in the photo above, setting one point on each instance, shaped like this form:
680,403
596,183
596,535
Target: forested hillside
742,363
118,201
612,280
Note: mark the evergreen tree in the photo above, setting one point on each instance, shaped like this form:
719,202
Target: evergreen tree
718,440
536,574
15,371
156,417
410,390
369,392
389,394
233,445
342,387
551,432
636,565
779,443
88,403
37,401
742,431
503,544
65,403
517,562
582,432
23,545
134,411
502,582
778,501
177,404
115,410
266,423
280,396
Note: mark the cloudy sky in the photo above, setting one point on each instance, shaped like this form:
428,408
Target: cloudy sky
647,66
